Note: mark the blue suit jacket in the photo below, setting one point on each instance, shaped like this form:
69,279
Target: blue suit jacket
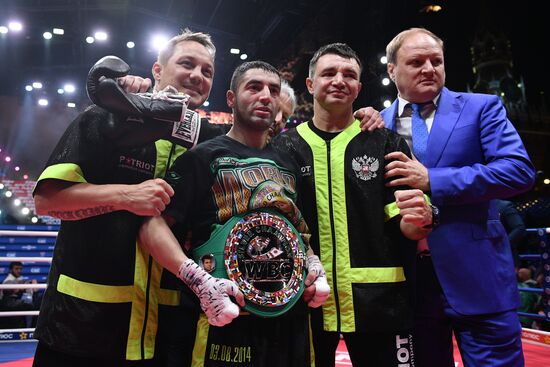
474,155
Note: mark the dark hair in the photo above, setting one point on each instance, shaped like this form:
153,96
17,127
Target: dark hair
15,263
340,49
237,77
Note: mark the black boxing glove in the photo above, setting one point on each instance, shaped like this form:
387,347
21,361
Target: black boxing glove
156,115
107,67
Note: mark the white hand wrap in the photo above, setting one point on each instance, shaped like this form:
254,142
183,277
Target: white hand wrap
213,293
316,276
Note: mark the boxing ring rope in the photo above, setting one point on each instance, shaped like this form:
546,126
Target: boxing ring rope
19,313
26,259
24,233
24,286
22,334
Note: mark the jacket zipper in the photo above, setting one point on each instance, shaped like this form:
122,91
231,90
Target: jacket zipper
333,235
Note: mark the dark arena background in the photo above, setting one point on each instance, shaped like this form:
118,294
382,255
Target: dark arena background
47,48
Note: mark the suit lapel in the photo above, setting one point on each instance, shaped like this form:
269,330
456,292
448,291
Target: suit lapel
389,114
448,111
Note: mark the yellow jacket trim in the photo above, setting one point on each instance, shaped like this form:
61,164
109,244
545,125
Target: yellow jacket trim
147,278
319,147
169,297
63,171
95,292
377,275
390,210
201,339
164,148
136,334
338,147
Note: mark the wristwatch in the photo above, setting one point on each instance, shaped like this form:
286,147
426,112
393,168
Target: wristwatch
435,217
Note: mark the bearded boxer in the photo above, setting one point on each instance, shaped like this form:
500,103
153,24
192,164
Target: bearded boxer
101,190
216,184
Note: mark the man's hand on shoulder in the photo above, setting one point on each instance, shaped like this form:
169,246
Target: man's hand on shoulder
370,119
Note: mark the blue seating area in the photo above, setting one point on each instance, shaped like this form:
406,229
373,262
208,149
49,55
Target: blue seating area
27,246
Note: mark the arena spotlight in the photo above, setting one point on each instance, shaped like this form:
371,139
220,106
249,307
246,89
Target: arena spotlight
37,85
8,194
159,42
1,186
17,168
71,104
69,88
206,103
60,91
431,8
3,29
7,159
546,181
25,177
383,60
387,103
244,56
100,36
90,39
130,44
59,31
47,35
15,26
34,220
43,102
17,202
25,211
235,51
28,88
385,81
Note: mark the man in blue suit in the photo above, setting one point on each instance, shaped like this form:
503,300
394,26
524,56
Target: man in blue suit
467,155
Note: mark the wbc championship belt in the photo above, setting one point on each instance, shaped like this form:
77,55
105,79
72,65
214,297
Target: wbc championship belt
263,254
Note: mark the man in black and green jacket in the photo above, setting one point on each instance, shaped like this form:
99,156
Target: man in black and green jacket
359,226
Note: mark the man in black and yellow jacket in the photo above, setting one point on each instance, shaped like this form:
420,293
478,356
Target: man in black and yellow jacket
104,292
358,225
